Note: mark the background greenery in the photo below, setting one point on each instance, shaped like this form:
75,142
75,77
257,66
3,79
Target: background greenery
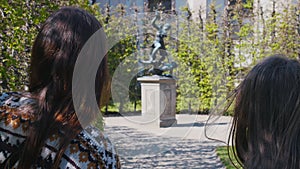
214,52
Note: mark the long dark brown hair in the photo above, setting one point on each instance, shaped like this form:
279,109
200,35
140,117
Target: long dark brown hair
54,55
266,125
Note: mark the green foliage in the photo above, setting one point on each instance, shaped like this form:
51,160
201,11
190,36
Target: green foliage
218,56
120,31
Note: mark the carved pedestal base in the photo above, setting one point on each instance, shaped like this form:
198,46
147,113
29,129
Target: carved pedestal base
158,100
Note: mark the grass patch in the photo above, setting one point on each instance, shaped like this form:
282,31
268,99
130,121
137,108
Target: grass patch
128,107
223,155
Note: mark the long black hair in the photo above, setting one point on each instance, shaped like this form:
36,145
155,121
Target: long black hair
54,55
266,125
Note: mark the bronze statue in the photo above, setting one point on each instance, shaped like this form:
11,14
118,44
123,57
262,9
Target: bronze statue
158,66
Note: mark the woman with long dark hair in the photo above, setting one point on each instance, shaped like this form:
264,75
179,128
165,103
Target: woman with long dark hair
266,125
40,129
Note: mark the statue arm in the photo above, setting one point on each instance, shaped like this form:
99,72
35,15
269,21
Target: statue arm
157,16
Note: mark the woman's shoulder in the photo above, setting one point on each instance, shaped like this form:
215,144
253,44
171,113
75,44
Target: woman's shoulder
15,118
16,108
14,99
92,149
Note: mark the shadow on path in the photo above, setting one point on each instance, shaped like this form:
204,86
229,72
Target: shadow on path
143,150
198,124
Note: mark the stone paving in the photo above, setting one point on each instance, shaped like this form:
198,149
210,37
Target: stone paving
146,149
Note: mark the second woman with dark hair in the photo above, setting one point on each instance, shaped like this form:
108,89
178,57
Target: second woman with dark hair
266,125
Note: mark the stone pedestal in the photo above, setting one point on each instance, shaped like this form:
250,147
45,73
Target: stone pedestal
158,100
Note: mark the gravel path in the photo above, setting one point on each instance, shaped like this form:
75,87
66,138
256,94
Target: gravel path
139,149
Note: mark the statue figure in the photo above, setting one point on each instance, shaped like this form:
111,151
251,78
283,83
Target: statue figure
158,66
